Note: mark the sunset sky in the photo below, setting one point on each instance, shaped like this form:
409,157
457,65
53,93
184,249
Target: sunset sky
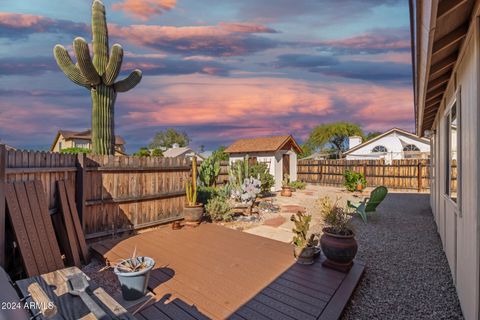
216,69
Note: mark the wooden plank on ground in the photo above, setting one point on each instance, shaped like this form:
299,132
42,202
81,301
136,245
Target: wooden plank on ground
30,225
74,255
20,231
70,192
47,221
41,229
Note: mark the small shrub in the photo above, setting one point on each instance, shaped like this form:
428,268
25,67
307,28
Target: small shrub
206,193
75,150
219,209
336,218
299,185
261,172
352,179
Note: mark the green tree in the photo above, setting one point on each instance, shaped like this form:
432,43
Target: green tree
371,135
220,154
142,152
334,134
156,153
166,139
307,150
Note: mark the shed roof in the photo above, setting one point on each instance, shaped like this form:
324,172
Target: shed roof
263,144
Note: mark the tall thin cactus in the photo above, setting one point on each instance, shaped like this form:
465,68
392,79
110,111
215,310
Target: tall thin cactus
191,186
98,75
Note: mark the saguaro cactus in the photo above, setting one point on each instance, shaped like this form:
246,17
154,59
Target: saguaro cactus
98,75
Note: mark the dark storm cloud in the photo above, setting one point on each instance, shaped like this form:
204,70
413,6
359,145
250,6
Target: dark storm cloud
304,61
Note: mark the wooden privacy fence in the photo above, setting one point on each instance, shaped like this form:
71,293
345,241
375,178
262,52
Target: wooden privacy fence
400,174
123,193
113,193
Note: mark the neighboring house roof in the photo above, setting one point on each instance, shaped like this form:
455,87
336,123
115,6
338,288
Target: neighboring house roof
317,155
406,133
180,151
7,146
263,144
82,135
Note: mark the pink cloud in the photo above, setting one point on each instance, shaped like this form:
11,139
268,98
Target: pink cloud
262,106
379,40
16,25
224,39
16,20
144,9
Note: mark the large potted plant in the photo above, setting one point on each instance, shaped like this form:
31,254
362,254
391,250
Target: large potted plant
286,189
133,274
304,246
193,211
338,239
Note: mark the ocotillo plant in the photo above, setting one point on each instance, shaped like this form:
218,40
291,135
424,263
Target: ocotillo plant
98,75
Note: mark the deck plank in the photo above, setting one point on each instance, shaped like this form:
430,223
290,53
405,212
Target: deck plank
215,272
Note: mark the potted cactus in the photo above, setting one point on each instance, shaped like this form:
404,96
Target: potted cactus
304,246
193,211
286,188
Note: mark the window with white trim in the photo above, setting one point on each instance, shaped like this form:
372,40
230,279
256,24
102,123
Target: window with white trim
379,149
452,143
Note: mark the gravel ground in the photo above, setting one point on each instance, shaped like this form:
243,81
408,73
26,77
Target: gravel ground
407,274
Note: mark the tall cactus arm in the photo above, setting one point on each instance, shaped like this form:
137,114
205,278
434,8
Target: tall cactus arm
114,65
100,37
71,70
129,82
85,61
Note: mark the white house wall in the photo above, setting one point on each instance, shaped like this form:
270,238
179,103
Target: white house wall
458,222
394,147
267,158
275,164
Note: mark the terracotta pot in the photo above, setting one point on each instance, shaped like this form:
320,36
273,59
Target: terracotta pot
193,214
304,255
286,192
360,187
340,250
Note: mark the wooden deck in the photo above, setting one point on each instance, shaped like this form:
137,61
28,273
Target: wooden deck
215,272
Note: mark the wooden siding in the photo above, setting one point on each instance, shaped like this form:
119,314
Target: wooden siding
458,222
411,174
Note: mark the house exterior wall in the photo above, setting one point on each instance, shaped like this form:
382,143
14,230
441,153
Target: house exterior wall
457,222
61,143
274,162
394,147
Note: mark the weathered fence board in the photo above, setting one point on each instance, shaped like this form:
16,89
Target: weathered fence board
400,174
125,193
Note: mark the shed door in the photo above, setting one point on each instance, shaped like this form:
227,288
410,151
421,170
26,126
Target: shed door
286,164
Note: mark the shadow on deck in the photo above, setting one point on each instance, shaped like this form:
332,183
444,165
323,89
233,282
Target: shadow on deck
215,272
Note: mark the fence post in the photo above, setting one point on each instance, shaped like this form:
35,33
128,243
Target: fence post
3,164
80,187
419,176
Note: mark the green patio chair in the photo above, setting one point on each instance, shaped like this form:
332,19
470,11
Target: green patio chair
369,204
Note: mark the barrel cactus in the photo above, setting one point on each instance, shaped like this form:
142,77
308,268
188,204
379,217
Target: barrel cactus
98,75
